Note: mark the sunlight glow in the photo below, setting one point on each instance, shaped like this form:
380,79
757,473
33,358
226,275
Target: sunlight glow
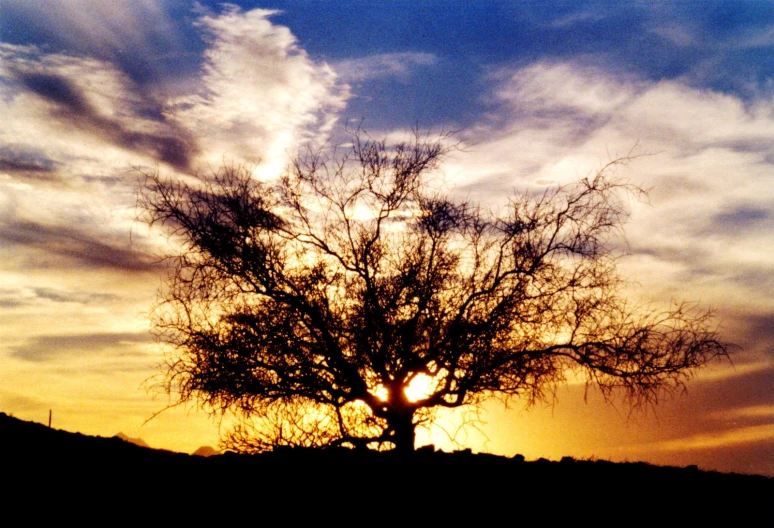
381,392
421,387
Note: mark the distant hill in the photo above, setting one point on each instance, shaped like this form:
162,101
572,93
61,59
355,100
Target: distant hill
136,441
206,451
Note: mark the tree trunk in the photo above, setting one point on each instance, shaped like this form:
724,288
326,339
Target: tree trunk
403,427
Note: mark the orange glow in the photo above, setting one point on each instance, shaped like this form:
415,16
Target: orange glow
420,387
381,392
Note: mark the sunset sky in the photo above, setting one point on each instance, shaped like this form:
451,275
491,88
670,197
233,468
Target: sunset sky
93,92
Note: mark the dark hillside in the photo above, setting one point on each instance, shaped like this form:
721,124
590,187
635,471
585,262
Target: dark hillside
34,453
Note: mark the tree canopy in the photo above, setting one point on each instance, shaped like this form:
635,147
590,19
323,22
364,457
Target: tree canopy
345,301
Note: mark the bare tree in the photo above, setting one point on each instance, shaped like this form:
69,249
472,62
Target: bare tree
344,302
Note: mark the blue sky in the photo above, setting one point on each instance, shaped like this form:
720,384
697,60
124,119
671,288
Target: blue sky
535,91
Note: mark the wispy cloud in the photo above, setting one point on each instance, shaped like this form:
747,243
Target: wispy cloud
130,35
731,437
17,297
61,109
48,347
756,38
676,34
755,411
81,249
580,17
386,65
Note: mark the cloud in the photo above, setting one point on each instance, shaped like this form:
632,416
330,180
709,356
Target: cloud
61,87
62,296
81,249
705,232
260,93
133,35
755,411
10,298
741,218
755,38
731,437
676,34
31,297
78,106
385,65
76,126
26,163
580,17
56,89
577,99
20,402
45,348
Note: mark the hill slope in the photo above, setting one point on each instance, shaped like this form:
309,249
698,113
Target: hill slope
54,457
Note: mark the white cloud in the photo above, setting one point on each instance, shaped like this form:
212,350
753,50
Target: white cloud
261,93
706,232
550,87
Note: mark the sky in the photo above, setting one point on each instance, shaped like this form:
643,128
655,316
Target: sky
93,93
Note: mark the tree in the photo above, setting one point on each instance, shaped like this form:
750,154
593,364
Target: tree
346,301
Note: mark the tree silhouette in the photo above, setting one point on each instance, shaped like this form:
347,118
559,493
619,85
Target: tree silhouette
346,301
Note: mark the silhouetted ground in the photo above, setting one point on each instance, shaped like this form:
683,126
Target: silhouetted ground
49,461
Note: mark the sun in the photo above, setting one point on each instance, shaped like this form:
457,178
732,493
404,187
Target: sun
421,387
